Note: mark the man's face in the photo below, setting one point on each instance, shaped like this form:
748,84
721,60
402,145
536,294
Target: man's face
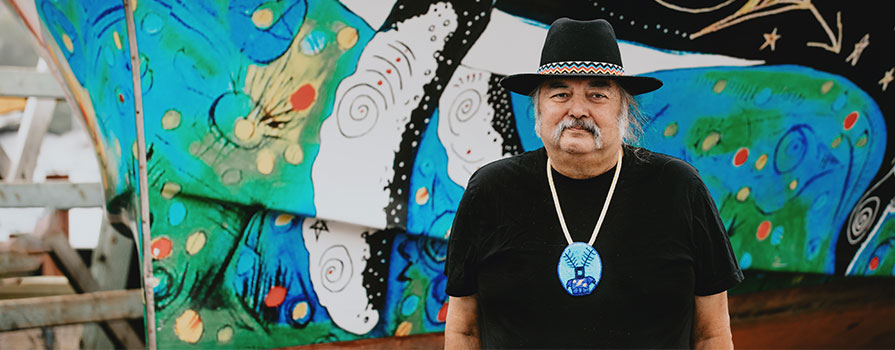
580,115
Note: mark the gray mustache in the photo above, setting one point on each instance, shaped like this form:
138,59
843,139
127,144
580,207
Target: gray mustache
584,123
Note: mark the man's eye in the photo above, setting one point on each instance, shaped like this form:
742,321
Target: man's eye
598,95
561,95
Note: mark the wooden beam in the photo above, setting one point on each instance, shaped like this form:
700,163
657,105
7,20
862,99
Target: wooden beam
5,163
13,263
28,82
70,309
35,122
54,194
110,265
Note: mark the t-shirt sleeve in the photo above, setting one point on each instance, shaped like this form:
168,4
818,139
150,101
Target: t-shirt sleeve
470,222
715,264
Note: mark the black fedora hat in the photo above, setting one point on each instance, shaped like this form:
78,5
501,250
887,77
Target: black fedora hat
580,49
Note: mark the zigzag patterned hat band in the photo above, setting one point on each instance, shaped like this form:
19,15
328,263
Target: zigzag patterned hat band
584,49
581,67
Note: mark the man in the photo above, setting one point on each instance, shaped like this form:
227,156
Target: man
587,242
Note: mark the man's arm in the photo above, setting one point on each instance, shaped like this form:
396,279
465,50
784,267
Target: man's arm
462,328
711,322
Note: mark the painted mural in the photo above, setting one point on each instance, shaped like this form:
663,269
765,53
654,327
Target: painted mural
306,157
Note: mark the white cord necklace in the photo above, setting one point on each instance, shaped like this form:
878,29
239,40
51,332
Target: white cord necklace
580,266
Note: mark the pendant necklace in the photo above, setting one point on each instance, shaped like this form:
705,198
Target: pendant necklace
580,266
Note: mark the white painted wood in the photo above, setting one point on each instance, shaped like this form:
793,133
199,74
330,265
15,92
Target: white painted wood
54,194
35,121
5,163
28,82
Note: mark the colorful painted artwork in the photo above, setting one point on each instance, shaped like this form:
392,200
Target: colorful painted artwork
306,157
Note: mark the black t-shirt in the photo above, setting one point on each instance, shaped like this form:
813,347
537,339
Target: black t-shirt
661,243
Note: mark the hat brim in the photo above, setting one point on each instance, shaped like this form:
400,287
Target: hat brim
526,83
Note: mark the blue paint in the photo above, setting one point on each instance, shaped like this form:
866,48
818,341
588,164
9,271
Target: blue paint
176,213
313,43
745,260
410,304
777,235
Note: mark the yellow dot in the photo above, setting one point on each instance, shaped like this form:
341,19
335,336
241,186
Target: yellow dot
117,39
761,162
300,311
134,149
225,334
262,18
171,119
195,242
188,326
862,141
719,86
265,162
133,5
836,142
826,87
170,189
66,40
283,219
743,193
243,129
403,329
347,37
793,184
422,195
293,154
671,129
710,141
117,148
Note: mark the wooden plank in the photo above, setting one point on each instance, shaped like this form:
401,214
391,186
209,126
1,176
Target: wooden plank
70,309
5,163
10,104
54,194
35,122
110,265
13,263
28,82
34,286
416,341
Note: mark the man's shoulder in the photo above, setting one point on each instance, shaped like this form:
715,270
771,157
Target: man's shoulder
669,167
511,168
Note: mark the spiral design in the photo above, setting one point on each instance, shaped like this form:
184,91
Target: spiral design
861,219
463,108
358,109
335,268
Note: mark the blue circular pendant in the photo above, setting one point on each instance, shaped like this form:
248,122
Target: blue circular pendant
579,269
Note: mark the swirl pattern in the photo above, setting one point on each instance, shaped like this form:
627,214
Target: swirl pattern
335,268
861,219
358,109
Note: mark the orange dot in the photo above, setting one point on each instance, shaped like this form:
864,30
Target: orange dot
874,263
161,248
763,230
303,97
275,296
850,120
442,314
741,156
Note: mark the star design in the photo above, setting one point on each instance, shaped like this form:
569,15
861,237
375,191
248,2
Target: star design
887,78
770,39
859,48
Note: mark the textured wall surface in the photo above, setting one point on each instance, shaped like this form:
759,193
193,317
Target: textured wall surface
306,157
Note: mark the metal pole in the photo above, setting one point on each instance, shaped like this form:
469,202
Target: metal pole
144,182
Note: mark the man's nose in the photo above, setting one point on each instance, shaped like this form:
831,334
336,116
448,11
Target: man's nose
577,107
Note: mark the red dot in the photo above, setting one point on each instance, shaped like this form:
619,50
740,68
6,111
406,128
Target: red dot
161,248
388,71
850,120
275,296
398,59
763,230
379,82
874,263
741,156
303,97
120,98
442,313
468,151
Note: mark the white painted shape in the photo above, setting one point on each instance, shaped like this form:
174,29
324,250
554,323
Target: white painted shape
372,108
464,124
336,261
373,12
511,45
